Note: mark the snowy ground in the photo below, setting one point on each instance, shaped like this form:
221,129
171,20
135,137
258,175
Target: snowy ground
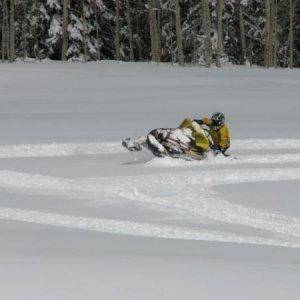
80,218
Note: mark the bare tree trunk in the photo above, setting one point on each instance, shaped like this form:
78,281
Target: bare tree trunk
12,31
151,28
2,44
242,32
97,31
250,50
291,35
24,42
171,39
130,35
220,4
64,30
154,34
36,42
3,31
7,29
138,37
267,34
138,31
85,52
194,46
270,33
117,37
207,31
273,35
35,32
180,57
157,31
158,27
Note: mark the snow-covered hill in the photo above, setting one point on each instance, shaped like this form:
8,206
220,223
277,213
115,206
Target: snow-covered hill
81,218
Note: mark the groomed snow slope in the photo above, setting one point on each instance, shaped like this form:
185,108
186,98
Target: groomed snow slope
81,218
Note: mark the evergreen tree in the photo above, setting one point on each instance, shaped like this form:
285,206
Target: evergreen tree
159,30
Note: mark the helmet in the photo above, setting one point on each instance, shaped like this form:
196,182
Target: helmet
217,120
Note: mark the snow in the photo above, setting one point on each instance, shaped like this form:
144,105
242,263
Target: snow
53,4
55,28
221,160
82,218
59,149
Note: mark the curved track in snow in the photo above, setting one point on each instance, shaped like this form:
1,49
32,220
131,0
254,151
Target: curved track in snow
59,149
250,159
71,149
186,192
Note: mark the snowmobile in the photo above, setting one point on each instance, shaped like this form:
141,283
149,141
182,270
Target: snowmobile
174,142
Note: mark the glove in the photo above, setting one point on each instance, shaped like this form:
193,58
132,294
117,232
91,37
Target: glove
216,149
217,152
224,152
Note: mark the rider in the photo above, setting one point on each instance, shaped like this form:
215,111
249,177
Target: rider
190,137
218,130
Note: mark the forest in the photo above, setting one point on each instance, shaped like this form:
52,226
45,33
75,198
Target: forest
185,32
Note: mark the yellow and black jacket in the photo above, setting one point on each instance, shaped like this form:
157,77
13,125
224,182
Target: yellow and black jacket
220,137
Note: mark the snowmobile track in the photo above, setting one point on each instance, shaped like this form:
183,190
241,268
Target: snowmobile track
187,192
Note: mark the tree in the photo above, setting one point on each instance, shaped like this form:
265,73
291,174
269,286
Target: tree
3,36
64,30
242,31
130,36
207,31
154,32
270,33
291,34
23,43
54,34
117,33
220,4
85,51
273,41
97,30
12,31
180,56
191,31
5,31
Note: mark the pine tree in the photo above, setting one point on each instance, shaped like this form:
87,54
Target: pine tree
194,31
241,31
180,56
12,30
130,35
207,32
291,34
65,30
220,4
